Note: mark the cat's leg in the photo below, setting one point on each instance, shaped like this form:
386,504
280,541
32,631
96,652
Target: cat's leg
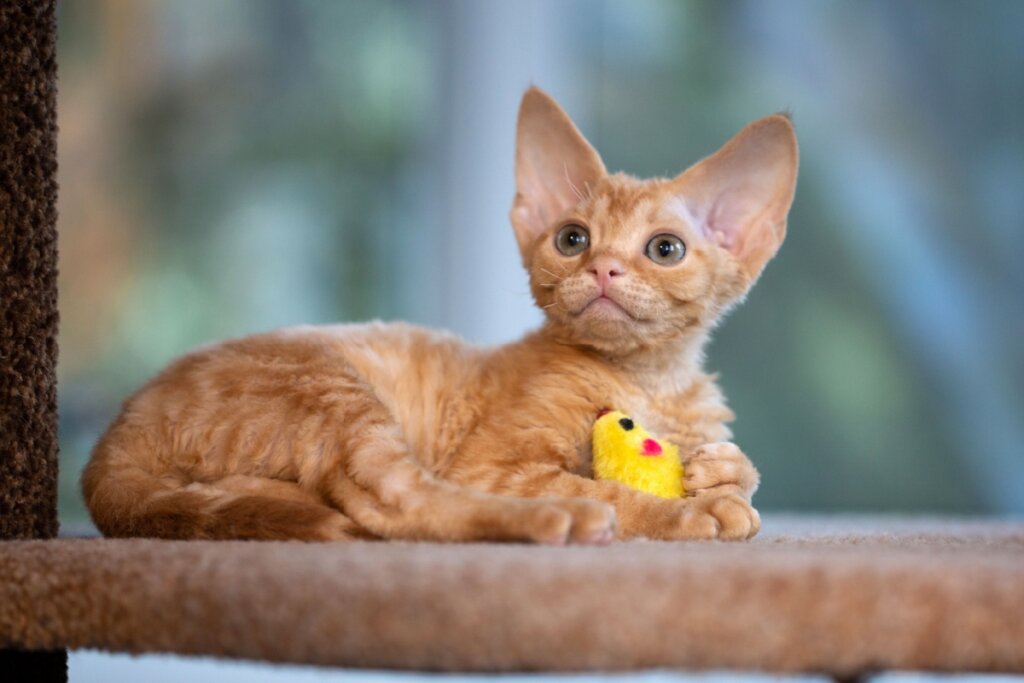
429,509
263,512
369,473
726,516
129,501
721,468
333,526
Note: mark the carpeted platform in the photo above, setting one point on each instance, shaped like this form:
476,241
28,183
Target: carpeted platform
841,597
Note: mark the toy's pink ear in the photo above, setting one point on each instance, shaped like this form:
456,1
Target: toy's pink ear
740,196
555,166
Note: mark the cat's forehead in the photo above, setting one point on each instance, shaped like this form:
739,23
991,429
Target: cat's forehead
620,199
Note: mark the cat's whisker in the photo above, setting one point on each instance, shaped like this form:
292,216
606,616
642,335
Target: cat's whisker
576,190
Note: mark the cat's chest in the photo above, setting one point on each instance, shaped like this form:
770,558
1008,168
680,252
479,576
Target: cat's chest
657,412
656,408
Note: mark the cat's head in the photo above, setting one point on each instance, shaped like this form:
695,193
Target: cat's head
621,264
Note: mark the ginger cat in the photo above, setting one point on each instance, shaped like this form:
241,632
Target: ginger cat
390,431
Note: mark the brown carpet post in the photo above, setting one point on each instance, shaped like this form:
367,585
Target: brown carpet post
28,293
28,270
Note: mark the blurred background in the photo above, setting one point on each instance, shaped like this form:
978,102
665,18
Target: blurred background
233,166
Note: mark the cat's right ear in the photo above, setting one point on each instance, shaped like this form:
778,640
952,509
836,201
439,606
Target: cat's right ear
555,167
740,196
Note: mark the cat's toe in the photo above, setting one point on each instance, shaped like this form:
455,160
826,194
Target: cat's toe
695,523
549,524
593,522
737,519
720,468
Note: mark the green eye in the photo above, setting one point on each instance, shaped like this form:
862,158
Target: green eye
572,240
666,250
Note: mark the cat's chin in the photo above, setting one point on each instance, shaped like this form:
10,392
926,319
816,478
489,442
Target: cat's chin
606,320
607,328
604,307
617,334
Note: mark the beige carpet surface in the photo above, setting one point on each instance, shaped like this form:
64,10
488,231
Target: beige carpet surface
839,596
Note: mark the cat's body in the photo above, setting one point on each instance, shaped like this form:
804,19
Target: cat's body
393,431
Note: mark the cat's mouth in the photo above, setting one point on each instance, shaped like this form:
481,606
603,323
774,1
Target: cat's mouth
605,305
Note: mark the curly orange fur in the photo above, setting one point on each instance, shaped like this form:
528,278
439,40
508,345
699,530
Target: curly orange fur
397,432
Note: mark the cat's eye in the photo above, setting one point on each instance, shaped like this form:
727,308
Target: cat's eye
572,240
666,250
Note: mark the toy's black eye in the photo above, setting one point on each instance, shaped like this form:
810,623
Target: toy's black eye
626,423
666,250
572,240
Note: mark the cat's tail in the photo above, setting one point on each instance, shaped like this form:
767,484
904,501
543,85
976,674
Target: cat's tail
125,497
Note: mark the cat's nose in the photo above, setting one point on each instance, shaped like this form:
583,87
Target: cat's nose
604,268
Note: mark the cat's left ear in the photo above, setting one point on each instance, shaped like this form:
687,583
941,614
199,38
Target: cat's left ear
740,196
555,166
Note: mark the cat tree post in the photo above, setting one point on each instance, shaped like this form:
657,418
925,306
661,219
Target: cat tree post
28,290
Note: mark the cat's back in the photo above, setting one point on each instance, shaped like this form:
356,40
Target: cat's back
387,356
399,360
285,373
367,342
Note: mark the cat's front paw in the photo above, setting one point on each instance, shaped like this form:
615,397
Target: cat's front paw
735,518
557,521
728,517
718,469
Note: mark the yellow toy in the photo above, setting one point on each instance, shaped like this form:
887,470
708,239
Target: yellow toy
625,452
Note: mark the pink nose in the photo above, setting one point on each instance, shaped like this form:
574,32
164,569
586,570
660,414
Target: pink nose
604,268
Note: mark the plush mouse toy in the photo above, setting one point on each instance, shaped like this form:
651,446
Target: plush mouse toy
625,452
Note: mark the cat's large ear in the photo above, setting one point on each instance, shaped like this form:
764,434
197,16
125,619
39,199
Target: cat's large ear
740,196
555,166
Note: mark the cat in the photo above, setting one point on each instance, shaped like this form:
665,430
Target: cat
391,431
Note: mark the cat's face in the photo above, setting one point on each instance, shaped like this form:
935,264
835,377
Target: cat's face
625,269
621,264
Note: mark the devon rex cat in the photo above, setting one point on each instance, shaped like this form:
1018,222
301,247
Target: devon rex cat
391,431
